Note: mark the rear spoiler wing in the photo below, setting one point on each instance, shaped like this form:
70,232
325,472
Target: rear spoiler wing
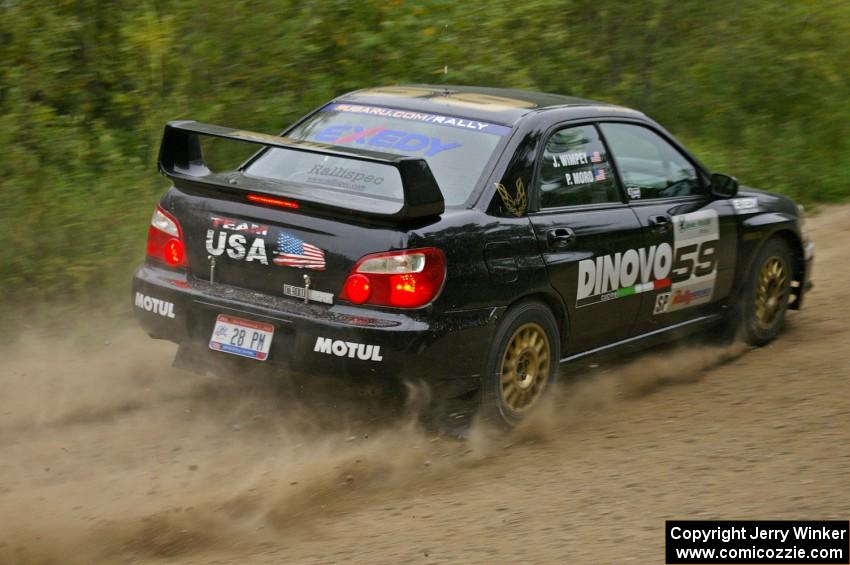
180,158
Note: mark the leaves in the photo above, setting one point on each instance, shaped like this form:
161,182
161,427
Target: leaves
758,89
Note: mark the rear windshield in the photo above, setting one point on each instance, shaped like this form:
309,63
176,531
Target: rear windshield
457,150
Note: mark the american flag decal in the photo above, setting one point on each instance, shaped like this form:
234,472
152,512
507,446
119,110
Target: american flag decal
599,174
292,252
595,157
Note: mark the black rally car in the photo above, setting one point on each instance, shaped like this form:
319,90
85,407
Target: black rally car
471,238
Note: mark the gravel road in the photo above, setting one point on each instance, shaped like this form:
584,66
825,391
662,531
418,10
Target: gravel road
107,455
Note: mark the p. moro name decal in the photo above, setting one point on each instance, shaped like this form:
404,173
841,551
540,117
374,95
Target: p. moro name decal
155,305
348,349
384,138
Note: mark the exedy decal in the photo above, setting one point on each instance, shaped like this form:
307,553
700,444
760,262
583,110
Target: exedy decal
384,138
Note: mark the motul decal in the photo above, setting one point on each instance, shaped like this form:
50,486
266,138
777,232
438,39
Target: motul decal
154,305
348,349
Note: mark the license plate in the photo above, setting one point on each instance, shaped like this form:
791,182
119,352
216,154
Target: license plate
242,337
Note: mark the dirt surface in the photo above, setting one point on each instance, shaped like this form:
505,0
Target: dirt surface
107,455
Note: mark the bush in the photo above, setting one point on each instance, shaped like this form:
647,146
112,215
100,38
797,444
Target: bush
759,90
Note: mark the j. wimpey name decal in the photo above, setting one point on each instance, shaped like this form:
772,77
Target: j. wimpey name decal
685,271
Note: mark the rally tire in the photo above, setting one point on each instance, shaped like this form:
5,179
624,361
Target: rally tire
765,298
522,364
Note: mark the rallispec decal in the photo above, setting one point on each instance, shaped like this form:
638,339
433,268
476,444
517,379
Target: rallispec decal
344,174
687,269
516,205
348,349
155,305
384,138
437,119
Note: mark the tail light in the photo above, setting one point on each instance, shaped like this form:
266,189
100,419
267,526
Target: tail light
165,240
401,279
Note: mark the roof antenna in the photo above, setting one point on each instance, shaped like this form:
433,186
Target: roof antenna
445,67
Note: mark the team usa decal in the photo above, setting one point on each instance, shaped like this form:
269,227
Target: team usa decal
683,273
245,241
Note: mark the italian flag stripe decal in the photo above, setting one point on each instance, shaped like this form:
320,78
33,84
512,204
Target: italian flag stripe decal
627,291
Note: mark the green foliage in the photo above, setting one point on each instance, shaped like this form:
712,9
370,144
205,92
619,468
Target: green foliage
757,89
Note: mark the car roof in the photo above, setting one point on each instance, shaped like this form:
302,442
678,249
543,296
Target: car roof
497,105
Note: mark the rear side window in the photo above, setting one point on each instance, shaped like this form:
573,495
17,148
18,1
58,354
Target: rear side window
649,166
457,150
575,170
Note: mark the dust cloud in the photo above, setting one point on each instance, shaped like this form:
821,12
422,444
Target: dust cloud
111,455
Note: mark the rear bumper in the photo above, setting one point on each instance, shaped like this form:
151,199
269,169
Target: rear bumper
308,337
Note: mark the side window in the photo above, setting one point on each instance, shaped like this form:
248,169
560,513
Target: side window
575,170
649,166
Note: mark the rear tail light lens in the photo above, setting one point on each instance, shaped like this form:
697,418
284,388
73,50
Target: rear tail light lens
165,240
400,279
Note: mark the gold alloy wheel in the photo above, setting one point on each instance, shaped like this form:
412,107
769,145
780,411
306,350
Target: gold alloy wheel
771,290
525,367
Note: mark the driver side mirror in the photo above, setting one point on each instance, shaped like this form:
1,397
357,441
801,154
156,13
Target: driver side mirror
723,186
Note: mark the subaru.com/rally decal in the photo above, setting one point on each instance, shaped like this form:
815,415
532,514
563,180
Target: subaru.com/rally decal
684,271
447,121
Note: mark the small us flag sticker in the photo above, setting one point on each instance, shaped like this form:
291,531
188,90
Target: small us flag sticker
599,174
595,157
292,252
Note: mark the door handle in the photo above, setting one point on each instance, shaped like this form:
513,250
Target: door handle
560,238
661,223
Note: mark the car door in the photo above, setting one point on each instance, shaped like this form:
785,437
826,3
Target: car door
584,229
669,194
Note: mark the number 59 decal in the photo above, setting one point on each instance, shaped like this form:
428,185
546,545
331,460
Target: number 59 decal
695,255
